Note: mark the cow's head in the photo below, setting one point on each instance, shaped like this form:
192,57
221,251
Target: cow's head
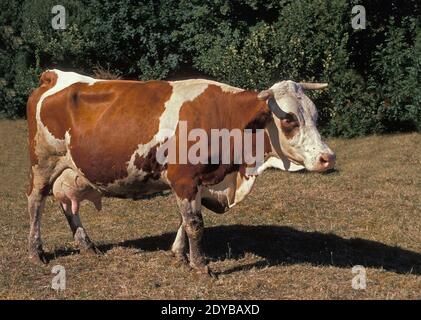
293,133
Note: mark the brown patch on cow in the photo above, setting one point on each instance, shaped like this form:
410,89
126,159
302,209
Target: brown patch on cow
107,121
55,117
215,109
149,164
58,109
102,146
47,80
290,126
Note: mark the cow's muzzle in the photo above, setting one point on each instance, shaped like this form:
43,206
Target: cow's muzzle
325,161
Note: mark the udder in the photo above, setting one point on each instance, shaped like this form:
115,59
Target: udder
70,189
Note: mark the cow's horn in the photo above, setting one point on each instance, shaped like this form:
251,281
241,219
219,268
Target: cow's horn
265,94
313,86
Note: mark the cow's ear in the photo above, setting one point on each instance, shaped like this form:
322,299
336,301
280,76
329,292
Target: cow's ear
265,94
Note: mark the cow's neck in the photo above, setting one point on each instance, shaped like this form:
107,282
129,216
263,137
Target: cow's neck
255,113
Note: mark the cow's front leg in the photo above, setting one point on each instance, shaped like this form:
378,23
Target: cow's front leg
79,234
193,225
179,247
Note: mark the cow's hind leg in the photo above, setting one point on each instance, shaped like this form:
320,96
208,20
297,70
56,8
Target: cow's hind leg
36,201
78,231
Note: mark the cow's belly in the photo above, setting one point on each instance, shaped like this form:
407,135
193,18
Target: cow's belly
71,188
135,188
134,176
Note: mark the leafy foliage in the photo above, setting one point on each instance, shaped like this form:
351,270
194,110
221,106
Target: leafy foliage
374,74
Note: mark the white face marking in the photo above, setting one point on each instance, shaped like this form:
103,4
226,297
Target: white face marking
307,144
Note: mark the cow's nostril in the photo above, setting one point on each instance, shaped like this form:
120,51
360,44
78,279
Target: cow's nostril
324,158
327,160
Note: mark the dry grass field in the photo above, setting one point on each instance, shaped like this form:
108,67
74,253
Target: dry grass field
296,236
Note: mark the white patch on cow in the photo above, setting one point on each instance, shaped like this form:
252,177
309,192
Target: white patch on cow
244,186
182,91
224,87
282,164
179,244
245,183
224,191
230,191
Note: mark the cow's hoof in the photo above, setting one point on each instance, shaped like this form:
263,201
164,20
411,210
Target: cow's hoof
38,258
181,259
205,271
212,274
185,267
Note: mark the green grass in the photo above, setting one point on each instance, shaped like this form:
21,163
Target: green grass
296,236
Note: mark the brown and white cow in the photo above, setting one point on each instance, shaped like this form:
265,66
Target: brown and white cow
90,138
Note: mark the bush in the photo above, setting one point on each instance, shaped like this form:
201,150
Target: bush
397,66
17,74
374,74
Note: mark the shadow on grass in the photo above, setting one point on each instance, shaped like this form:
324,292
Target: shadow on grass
284,245
61,252
305,171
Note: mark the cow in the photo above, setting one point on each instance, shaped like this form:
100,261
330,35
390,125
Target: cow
90,138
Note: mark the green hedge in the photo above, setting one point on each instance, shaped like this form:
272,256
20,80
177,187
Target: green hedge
374,74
